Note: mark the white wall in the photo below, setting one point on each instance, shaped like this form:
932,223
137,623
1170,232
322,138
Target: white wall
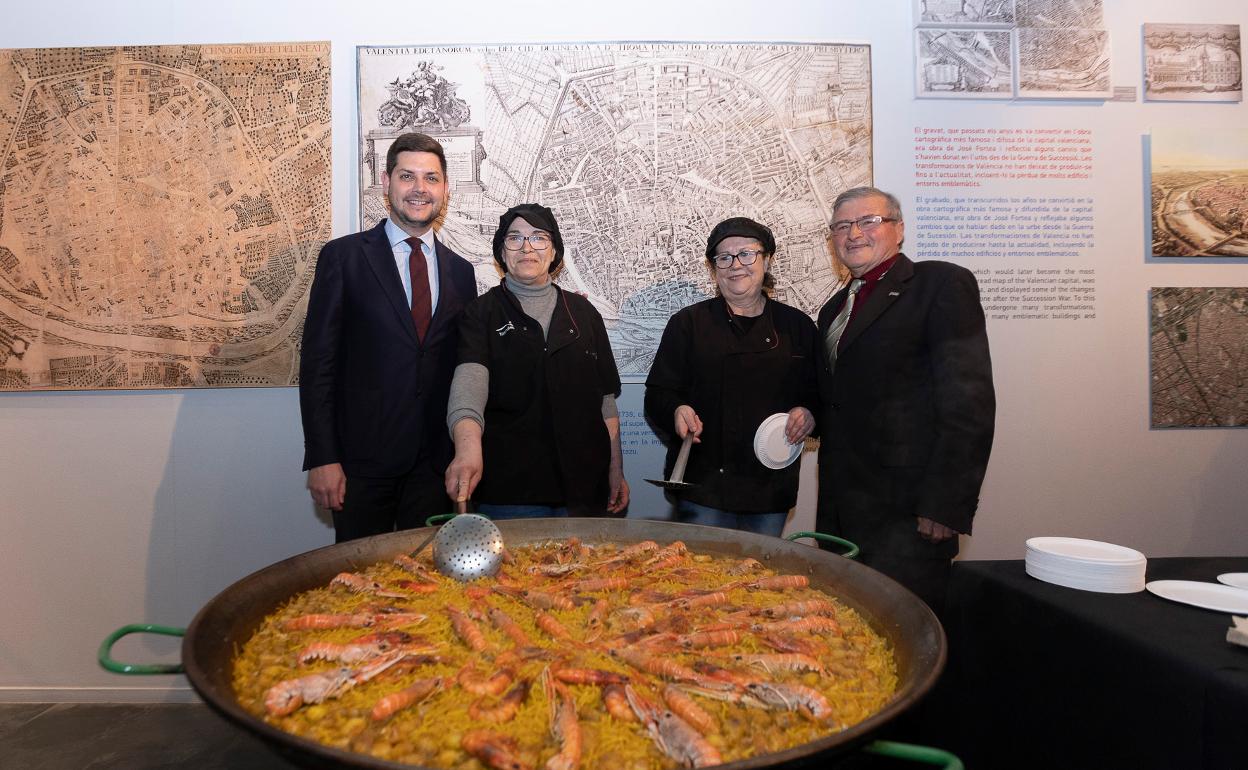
139,506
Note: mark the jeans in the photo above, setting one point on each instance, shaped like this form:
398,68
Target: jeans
497,511
762,523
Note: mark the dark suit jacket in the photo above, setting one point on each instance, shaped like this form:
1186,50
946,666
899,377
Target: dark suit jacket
372,396
907,416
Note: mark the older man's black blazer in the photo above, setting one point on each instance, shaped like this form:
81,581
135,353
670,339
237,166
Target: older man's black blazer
907,415
372,396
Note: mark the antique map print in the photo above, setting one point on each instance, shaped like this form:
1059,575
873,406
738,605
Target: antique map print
964,63
1063,49
161,209
1199,187
640,149
1199,357
964,13
1039,49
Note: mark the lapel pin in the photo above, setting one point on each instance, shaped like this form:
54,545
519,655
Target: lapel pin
502,330
894,294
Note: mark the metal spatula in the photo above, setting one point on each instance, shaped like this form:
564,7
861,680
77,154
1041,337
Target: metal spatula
677,483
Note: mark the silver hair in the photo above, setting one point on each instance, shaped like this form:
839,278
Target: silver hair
894,205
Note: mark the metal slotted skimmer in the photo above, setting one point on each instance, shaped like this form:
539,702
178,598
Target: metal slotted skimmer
468,547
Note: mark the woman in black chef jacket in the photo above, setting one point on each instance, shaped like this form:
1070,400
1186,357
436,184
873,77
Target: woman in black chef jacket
725,365
532,408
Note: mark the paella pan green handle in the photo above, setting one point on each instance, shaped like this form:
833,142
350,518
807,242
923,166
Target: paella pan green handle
106,651
851,550
914,753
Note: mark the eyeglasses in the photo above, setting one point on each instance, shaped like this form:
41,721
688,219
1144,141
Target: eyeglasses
515,241
865,224
746,257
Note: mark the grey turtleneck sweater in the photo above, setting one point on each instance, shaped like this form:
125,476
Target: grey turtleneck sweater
471,385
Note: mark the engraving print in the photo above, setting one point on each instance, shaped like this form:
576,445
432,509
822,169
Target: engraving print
964,64
1192,62
1063,63
640,149
964,13
1060,14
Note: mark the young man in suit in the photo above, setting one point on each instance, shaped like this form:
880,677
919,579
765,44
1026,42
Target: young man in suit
908,404
379,347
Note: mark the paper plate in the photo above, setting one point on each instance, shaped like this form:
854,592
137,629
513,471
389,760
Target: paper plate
1210,596
1234,579
770,445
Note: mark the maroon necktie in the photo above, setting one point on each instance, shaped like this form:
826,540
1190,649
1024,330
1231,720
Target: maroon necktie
422,303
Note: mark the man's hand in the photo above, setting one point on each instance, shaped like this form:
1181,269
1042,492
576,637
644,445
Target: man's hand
687,421
328,485
934,531
799,425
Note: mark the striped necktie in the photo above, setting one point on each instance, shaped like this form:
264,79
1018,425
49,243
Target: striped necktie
422,300
833,338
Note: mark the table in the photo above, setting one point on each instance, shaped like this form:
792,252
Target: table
1045,676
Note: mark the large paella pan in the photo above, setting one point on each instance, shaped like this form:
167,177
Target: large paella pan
229,620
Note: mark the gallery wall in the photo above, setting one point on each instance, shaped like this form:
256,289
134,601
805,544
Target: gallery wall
135,506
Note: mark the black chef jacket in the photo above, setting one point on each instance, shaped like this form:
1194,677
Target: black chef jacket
733,378
545,442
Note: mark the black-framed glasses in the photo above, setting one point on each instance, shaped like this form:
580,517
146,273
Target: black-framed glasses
865,224
746,257
515,241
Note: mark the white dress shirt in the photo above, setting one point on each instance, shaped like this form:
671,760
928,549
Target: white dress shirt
402,253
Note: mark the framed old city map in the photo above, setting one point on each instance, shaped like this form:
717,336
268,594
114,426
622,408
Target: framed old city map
640,149
161,209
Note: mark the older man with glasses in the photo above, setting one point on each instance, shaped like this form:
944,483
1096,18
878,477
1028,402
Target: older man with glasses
907,400
724,366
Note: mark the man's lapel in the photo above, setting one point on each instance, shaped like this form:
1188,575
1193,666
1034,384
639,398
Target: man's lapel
381,259
888,291
449,300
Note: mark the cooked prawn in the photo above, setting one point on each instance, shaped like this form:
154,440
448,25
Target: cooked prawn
563,725
409,696
493,749
687,709
674,736
506,707
479,683
467,630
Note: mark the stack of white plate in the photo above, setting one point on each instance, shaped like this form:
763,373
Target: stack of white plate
1088,565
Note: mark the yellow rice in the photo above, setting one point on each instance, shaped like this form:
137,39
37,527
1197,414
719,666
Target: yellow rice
860,680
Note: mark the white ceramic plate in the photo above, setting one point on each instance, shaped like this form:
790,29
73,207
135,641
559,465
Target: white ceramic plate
1234,579
1085,550
770,445
1211,596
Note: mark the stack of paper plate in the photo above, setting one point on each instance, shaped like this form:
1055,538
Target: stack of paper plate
1088,565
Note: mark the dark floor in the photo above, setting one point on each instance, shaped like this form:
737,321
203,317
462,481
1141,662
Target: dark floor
95,736
82,736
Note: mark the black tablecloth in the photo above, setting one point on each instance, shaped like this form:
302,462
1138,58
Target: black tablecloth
1045,676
